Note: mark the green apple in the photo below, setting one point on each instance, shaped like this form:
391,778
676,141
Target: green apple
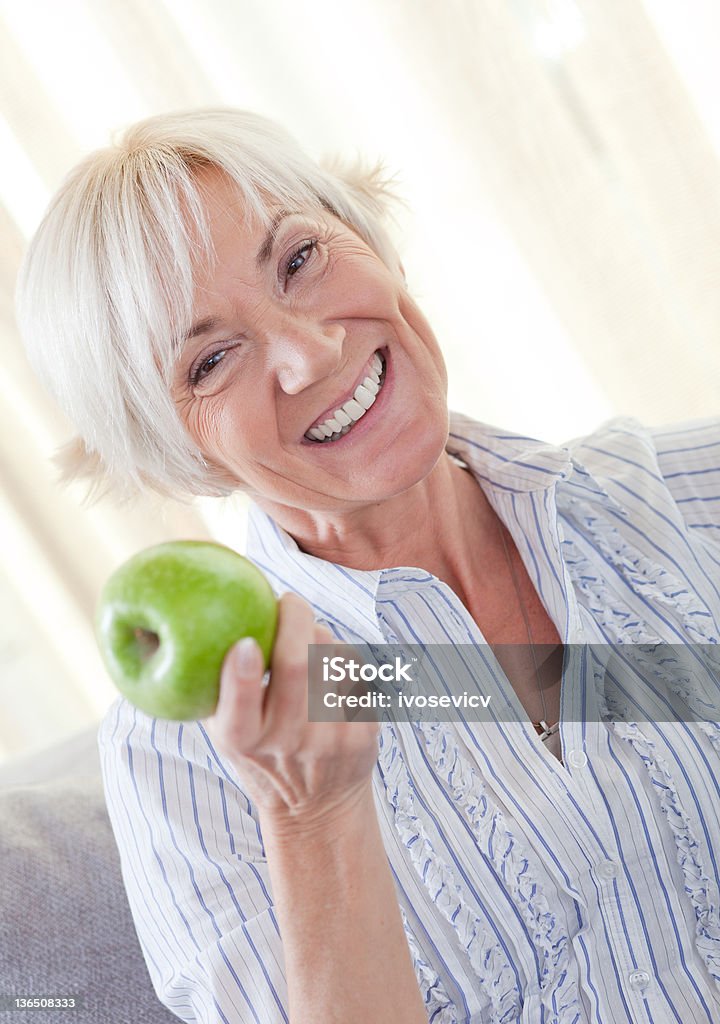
167,618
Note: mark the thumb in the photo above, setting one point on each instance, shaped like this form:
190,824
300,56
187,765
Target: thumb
245,658
237,720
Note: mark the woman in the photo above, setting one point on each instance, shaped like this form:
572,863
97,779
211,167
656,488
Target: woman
227,315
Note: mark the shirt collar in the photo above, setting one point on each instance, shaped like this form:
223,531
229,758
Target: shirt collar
507,461
497,458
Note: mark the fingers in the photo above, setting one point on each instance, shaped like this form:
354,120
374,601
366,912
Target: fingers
322,711
237,721
250,715
286,699
285,759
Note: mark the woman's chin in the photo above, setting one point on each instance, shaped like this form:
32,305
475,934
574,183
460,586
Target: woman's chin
400,468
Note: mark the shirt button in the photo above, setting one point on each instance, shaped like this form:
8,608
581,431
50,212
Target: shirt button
607,870
639,980
577,758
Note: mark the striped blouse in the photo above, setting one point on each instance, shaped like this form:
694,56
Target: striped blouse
530,890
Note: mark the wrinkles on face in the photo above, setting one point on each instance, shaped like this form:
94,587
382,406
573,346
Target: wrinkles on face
294,334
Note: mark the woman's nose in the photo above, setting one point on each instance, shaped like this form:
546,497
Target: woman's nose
306,353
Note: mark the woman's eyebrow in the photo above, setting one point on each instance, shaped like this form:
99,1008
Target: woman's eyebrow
204,326
265,250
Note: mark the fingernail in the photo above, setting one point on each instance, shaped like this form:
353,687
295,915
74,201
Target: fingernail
245,655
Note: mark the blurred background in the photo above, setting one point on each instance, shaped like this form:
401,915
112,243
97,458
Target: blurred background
560,160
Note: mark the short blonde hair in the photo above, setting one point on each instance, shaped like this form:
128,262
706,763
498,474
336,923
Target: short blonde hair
105,289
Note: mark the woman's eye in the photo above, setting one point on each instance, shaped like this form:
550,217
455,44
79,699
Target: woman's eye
206,367
300,256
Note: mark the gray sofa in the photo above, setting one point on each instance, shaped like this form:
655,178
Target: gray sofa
65,925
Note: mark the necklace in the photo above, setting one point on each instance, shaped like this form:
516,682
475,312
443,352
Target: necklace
544,731
542,728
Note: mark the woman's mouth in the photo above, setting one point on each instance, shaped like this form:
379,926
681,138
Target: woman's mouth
343,419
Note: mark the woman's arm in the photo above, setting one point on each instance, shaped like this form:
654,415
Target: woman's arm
346,955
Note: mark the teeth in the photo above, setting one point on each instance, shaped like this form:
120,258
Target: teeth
364,397
354,409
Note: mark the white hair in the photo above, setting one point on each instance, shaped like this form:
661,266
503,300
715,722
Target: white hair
106,287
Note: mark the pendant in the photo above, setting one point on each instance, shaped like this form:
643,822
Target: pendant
544,730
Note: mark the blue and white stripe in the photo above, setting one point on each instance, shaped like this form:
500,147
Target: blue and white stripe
530,891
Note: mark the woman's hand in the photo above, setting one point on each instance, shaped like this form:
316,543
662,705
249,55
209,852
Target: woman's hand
297,772
332,887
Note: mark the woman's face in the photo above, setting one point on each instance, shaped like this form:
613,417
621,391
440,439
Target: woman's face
287,324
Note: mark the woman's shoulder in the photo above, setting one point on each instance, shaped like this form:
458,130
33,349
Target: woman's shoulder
669,474
626,440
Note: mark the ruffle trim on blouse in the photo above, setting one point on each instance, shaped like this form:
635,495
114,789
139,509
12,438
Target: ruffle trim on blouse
485,953
654,583
624,626
701,890
557,990
615,618
648,579
438,1005
712,731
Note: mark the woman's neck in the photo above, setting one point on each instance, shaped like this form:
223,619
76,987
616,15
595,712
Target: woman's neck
444,524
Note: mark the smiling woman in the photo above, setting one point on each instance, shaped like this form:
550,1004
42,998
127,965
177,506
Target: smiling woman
216,312
295,320
132,220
